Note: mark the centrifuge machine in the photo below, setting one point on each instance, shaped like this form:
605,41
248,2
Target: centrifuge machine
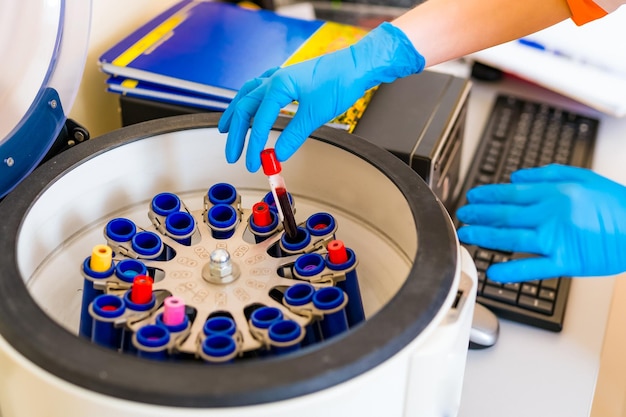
142,275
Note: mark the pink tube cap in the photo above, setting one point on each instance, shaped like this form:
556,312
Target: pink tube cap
174,311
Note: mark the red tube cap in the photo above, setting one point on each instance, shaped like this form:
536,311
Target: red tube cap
141,292
270,163
261,215
337,252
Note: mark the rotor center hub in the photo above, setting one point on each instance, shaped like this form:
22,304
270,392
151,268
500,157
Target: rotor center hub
220,269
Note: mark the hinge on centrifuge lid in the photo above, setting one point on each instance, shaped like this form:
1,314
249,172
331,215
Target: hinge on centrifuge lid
70,135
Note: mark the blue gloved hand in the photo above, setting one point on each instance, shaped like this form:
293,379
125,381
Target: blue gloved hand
574,219
324,88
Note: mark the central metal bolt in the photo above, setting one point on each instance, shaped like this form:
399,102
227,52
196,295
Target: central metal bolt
220,268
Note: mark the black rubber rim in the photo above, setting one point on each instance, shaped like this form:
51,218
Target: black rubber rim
49,346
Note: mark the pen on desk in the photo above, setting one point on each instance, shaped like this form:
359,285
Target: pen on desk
541,47
578,59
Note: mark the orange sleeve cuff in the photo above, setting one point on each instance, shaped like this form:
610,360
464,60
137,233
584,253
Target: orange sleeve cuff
584,11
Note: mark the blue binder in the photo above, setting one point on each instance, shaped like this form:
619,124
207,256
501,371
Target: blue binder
207,47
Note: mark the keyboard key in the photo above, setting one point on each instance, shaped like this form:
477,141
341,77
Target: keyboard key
547,294
484,179
536,304
498,257
481,265
483,255
481,276
552,283
529,289
488,168
494,283
500,294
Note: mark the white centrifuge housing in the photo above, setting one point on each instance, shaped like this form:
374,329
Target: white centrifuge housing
418,286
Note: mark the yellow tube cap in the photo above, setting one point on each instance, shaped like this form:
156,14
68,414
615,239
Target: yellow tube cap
101,258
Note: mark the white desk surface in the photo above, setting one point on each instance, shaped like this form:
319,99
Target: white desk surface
533,372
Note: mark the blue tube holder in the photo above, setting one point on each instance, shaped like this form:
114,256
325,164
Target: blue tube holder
354,309
105,310
89,294
218,348
285,336
331,301
152,342
222,219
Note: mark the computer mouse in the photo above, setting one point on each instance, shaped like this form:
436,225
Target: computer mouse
485,328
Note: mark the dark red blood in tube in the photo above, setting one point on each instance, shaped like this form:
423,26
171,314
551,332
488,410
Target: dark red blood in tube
289,223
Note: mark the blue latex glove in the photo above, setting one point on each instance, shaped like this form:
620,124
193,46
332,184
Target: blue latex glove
573,218
324,87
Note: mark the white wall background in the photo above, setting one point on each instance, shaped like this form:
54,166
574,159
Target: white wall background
111,21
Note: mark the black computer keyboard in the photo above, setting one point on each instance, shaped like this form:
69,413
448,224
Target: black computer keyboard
522,134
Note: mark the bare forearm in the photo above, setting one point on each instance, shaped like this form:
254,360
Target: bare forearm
442,30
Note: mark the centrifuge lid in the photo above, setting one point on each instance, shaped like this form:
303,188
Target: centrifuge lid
43,45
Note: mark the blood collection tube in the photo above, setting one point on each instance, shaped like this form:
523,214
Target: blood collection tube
138,300
340,258
263,221
173,317
272,168
104,310
291,246
140,296
151,342
97,267
331,301
269,199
